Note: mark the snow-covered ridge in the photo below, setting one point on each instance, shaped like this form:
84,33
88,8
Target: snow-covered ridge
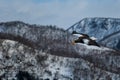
21,57
67,62
100,28
39,65
35,36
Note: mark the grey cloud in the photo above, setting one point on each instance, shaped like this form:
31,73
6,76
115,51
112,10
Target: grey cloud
62,14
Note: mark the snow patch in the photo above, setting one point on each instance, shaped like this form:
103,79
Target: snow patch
1,56
92,47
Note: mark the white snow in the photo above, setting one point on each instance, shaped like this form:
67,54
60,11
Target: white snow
92,47
66,71
20,48
96,47
10,42
1,56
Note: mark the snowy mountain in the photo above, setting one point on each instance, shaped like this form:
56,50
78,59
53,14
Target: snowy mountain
106,30
36,52
18,61
36,36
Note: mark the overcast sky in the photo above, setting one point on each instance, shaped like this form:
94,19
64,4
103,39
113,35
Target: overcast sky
62,13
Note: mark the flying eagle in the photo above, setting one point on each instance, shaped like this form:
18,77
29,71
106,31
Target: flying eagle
85,39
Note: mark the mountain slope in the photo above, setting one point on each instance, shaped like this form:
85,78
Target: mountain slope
38,40
38,37
104,29
19,61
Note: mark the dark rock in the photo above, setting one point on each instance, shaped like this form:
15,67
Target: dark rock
23,75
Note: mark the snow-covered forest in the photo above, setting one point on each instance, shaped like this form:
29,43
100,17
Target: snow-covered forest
37,52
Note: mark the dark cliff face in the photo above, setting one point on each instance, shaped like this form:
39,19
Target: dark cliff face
67,62
106,30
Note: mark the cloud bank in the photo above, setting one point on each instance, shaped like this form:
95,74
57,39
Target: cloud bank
62,13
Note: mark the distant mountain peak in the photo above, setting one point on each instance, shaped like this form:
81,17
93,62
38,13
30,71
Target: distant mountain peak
13,23
101,28
93,19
